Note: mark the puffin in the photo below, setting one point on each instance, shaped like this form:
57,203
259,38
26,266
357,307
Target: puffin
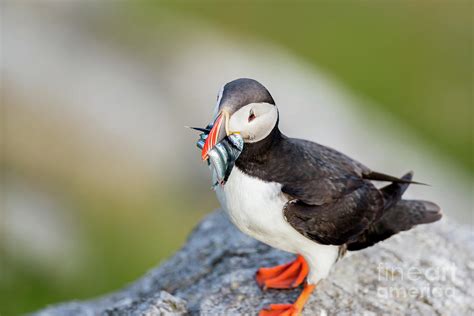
297,195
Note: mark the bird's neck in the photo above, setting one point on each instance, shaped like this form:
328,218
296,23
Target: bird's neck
260,151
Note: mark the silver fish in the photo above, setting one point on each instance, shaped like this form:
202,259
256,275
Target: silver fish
223,155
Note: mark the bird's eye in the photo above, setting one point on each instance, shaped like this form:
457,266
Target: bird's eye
251,116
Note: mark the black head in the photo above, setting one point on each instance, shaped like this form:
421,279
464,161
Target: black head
240,92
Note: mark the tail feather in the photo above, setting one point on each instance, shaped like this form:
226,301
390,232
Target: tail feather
377,176
393,192
400,217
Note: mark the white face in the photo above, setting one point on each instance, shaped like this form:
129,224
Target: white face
254,121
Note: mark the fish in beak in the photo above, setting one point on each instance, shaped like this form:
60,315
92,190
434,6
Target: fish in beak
219,151
217,133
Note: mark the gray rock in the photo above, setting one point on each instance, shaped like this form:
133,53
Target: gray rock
426,271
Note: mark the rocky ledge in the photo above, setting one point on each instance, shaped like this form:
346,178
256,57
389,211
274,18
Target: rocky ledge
426,271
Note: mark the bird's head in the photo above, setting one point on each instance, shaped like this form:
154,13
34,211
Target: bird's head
244,106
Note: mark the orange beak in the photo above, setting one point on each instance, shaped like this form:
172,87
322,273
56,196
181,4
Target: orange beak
213,137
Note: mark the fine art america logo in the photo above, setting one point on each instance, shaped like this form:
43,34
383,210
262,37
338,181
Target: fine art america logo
412,282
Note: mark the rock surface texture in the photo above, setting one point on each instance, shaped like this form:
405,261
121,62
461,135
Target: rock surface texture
426,271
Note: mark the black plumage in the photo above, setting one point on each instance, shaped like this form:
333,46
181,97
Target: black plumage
401,217
332,198
243,91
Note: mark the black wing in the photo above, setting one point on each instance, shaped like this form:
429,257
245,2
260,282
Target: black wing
320,175
333,200
338,222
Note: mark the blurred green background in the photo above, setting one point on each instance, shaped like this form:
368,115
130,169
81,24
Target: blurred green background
114,206
403,55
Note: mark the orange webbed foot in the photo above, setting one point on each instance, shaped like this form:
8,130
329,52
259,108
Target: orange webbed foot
289,309
279,310
285,276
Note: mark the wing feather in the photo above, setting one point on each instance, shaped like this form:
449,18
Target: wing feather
338,222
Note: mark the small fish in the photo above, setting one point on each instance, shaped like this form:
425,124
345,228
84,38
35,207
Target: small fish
223,155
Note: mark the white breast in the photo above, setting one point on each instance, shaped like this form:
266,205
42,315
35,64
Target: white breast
256,208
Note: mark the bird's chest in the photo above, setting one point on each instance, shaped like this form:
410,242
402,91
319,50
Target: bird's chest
255,207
